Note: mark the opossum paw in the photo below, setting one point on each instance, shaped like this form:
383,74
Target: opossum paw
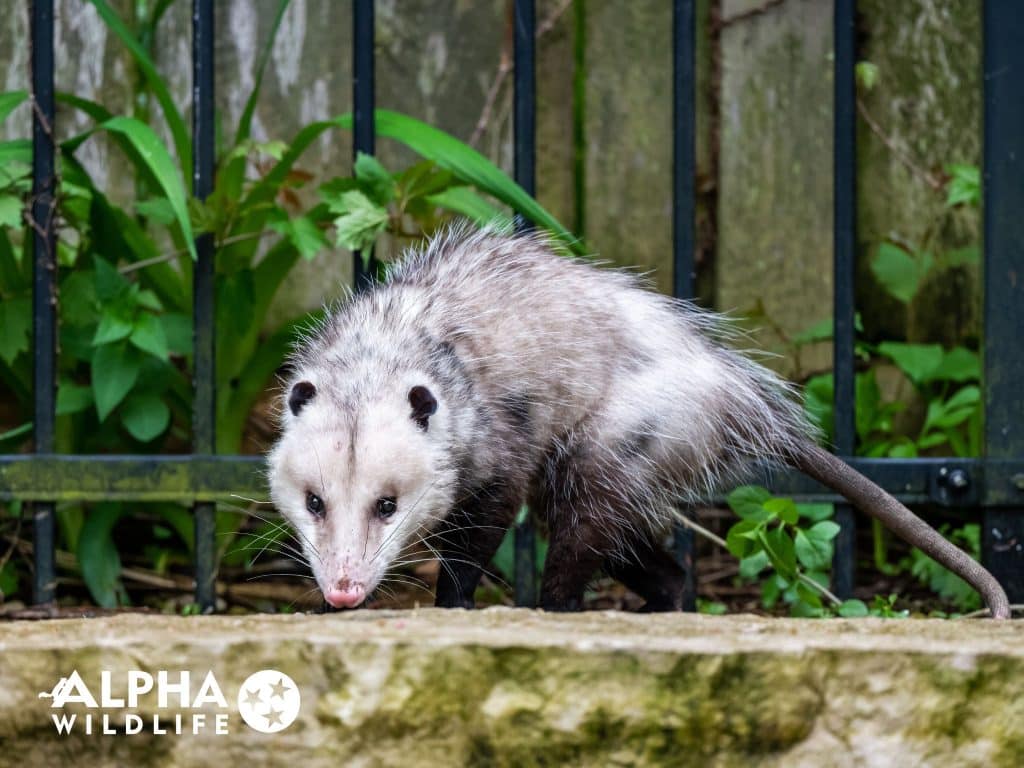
454,601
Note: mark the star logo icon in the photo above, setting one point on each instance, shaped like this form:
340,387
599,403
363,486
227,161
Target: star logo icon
268,701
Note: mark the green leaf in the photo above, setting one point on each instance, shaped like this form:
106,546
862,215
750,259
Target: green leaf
10,101
306,236
159,162
148,335
752,565
899,272
178,332
781,551
866,74
918,361
374,179
741,539
813,553
145,416
826,530
815,511
114,371
820,331
156,209
245,123
109,282
360,222
964,186
72,398
958,364
10,211
852,609
18,431
113,326
98,557
783,508
466,202
747,501
15,327
175,122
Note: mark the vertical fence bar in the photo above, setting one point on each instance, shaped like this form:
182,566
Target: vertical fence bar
845,222
684,223
524,128
1003,33
204,383
44,286
363,97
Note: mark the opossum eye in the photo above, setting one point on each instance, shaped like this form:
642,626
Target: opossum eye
386,506
315,505
301,394
424,405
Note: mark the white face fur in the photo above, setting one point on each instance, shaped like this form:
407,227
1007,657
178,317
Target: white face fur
358,501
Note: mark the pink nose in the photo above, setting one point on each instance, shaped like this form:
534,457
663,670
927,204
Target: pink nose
346,594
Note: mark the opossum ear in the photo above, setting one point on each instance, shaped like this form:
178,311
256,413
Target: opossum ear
424,405
301,394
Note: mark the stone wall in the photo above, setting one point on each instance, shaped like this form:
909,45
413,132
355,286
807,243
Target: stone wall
511,687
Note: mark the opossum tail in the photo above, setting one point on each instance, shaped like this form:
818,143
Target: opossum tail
868,497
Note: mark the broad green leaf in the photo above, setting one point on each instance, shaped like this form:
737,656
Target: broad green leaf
815,511
899,272
10,101
826,530
813,553
114,370
113,326
958,364
747,501
109,282
360,222
306,236
752,565
818,402
178,332
11,207
918,361
964,185
741,539
153,152
820,331
145,416
175,122
781,551
851,609
98,557
157,209
374,179
148,335
783,508
903,448
466,202
866,74
15,327
72,398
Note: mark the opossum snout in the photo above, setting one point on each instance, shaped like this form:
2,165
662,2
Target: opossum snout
345,594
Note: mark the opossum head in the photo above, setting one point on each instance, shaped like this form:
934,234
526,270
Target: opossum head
361,479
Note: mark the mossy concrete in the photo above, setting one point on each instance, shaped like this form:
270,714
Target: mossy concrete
508,687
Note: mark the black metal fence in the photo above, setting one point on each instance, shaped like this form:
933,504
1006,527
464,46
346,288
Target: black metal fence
991,485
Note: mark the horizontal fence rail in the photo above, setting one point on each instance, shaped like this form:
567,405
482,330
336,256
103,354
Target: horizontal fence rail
991,486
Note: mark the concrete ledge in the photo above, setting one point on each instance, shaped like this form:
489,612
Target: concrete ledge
508,687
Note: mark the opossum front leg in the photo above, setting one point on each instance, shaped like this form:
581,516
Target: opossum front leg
574,555
470,537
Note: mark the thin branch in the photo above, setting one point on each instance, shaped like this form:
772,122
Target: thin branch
171,255
927,177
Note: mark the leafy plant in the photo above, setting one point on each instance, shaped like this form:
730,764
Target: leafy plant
125,274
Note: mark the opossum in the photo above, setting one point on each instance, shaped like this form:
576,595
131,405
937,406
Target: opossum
488,371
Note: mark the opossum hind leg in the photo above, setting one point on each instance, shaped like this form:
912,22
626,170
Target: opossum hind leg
651,572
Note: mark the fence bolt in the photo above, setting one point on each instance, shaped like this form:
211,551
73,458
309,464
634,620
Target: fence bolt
1018,481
